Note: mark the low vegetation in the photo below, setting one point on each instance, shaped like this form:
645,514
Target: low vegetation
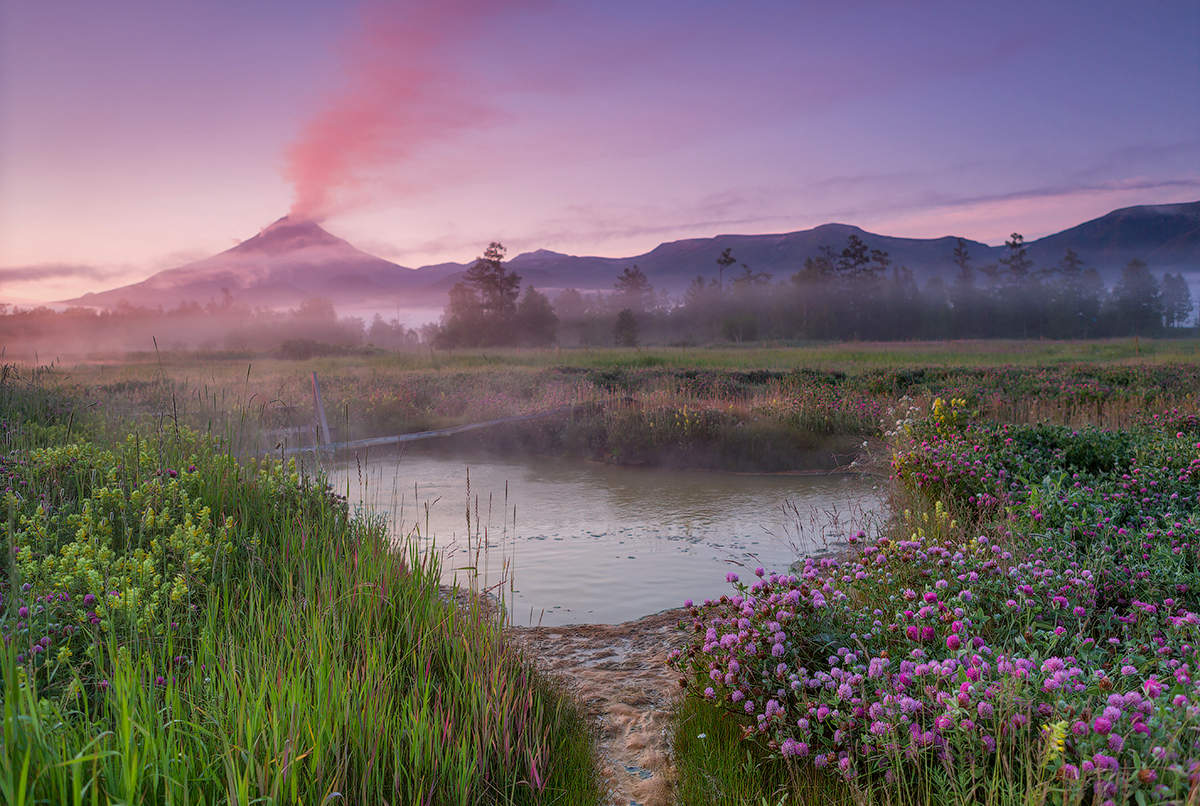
747,409
1026,631
182,627
1023,630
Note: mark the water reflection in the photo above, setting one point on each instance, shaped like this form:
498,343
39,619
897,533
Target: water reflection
569,541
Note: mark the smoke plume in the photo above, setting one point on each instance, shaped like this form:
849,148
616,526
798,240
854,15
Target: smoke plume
402,92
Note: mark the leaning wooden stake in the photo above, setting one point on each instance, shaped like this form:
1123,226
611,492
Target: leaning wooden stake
320,411
375,442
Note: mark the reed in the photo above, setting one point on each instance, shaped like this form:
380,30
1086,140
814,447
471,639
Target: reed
753,409
250,641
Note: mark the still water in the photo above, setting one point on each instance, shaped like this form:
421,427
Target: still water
567,541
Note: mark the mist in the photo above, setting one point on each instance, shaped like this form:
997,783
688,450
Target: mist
310,329
855,294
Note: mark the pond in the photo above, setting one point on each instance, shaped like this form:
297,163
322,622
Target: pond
567,541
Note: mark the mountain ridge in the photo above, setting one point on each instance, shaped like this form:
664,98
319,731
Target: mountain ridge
291,260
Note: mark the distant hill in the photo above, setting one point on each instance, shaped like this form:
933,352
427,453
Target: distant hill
287,262
293,260
673,265
1165,236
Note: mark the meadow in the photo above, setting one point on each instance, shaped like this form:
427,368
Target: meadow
183,627
186,621
723,408
1025,630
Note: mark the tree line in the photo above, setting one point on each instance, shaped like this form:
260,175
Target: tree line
854,293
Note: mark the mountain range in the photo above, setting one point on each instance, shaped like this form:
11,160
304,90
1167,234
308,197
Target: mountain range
292,260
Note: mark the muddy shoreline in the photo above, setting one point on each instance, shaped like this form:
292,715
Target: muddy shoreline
618,673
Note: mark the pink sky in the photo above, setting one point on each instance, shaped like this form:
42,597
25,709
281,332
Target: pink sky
138,136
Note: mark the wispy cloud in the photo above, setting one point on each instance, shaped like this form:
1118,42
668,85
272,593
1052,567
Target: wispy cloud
1137,157
50,271
1037,211
1064,190
1033,211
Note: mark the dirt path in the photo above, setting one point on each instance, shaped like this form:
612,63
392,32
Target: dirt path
619,674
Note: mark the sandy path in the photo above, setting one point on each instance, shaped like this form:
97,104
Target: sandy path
619,674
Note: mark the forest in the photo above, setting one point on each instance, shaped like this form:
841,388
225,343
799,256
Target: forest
855,294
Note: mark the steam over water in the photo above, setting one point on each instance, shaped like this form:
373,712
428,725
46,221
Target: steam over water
578,542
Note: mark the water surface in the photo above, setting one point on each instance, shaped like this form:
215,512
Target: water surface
568,541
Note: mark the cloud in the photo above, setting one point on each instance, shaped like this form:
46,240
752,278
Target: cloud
448,245
50,271
1034,211
46,282
1062,190
1146,155
180,257
985,217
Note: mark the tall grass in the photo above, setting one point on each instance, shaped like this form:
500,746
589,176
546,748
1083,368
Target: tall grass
812,391
307,662
715,765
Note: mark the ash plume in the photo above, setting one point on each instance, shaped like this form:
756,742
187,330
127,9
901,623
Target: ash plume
402,92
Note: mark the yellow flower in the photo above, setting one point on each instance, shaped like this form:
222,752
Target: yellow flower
1055,734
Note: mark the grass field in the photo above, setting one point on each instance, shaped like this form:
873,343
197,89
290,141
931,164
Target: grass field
1023,630
772,393
181,627
225,371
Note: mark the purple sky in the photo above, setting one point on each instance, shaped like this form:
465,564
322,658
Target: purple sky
139,134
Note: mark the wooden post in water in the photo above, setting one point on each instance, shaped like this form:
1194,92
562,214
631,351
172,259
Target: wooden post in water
319,408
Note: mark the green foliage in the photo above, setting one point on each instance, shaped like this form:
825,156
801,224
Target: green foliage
181,627
625,330
740,327
633,290
1177,301
715,765
483,309
496,286
536,319
1137,303
1025,631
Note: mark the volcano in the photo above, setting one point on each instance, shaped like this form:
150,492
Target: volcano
284,264
295,259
